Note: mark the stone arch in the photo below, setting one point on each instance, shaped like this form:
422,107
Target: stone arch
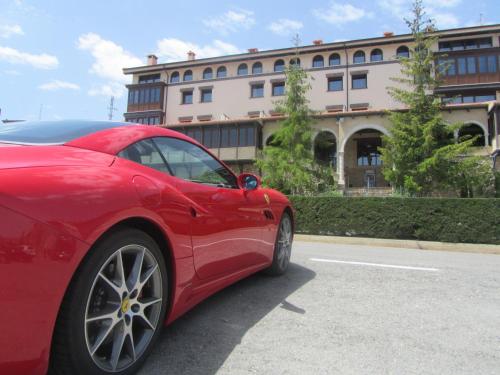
472,124
325,149
357,128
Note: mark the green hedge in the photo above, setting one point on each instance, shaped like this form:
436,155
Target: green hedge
429,219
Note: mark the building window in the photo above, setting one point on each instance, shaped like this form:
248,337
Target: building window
229,136
151,120
278,88
359,57
246,136
206,96
207,73
211,137
368,153
403,51
187,97
295,62
460,45
376,55
487,64
257,90
478,98
175,77
257,68
242,70
150,78
334,59
279,66
221,72
188,75
335,84
318,61
359,81
150,95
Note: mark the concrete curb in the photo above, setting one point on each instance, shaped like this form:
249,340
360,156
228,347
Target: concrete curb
405,244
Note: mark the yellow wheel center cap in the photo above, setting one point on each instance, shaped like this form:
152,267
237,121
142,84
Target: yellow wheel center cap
125,305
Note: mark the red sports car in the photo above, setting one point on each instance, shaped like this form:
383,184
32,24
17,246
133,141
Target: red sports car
110,230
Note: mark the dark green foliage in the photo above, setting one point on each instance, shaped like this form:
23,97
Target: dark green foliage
428,219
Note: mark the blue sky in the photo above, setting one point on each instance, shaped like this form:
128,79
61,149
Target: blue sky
65,56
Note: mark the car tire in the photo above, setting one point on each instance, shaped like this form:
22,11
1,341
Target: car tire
114,308
282,247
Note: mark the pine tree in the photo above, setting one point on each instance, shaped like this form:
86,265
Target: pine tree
287,164
420,155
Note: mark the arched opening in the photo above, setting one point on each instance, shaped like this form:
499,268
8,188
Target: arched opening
207,73
174,77
279,66
403,51
334,59
325,149
363,161
318,61
270,140
359,57
469,131
188,75
295,62
376,55
221,72
242,70
257,68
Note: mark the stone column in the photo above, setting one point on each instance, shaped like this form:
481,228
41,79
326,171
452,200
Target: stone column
340,168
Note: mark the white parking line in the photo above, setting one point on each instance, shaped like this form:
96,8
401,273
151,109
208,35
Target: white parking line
374,264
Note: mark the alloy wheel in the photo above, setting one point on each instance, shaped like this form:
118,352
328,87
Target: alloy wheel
123,308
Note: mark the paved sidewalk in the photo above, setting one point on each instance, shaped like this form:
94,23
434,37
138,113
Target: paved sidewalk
402,244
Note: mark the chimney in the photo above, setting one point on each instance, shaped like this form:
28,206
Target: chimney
317,42
191,56
388,34
152,60
253,50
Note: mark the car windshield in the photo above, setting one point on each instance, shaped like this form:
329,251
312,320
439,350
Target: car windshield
51,132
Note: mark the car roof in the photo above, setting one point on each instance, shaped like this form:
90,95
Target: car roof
113,140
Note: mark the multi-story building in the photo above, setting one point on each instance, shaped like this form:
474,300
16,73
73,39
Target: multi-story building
227,103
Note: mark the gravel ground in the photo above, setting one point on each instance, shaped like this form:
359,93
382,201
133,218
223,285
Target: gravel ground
441,315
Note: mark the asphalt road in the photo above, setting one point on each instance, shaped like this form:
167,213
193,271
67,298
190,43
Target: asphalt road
438,314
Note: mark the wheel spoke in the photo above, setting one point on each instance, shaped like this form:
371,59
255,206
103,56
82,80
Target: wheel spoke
135,274
118,341
150,301
144,318
120,270
103,335
95,318
116,288
147,275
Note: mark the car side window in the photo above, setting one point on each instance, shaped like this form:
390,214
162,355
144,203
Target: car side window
192,163
146,153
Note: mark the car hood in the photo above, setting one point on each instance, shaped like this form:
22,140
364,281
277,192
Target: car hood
17,156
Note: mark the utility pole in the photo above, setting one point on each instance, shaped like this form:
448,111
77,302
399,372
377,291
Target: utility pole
40,112
111,108
480,19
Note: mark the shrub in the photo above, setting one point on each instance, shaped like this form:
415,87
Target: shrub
429,219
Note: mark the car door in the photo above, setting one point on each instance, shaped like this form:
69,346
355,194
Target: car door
227,222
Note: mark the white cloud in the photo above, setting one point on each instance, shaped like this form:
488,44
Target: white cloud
58,85
172,49
110,89
6,31
285,27
434,9
11,72
338,14
41,61
110,58
231,21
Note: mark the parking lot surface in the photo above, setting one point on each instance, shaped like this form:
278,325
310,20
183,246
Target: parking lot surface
344,309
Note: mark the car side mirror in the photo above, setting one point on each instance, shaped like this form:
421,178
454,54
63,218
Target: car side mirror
248,181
